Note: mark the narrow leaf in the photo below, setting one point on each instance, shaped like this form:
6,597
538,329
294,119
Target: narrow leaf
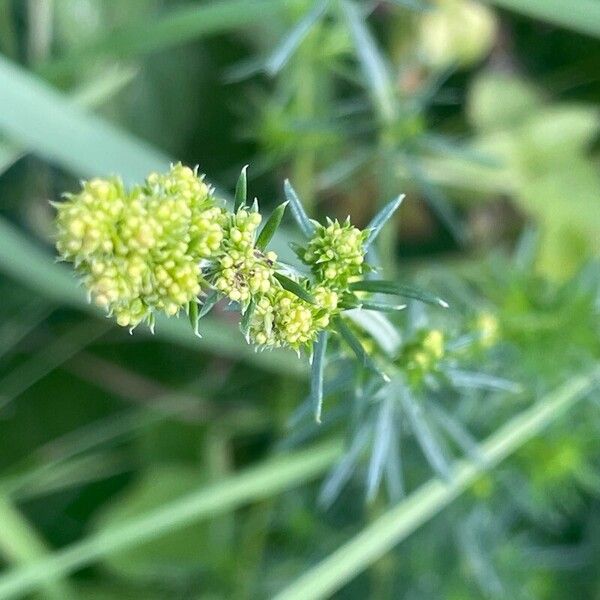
374,67
381,446
381,218
317,374
246,320
293,39
306,225
357,347
270,227
209,303
241,189
294,287
193,316
380,286
423,433
482,381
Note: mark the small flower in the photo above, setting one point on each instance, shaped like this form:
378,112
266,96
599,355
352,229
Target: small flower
335,253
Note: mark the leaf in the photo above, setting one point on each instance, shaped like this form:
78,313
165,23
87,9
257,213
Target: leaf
270,227
193,316
482,381
423,432
381,306
241,189
342,472
374,67
209,303
395,525
379,286
357,347
247,319
317,373
294,287
381,218
52,126
381,446
306,225
378,327
294,38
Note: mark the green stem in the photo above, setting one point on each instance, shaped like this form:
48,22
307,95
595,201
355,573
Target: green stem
396,524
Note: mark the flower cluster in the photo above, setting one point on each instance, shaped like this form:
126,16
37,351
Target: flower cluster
241,270
422,357
159,246
335,253
139,251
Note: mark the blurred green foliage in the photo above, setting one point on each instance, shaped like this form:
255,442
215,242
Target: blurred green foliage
173,467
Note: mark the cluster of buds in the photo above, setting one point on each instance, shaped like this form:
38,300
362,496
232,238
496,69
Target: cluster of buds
423,356
159,246
282,319
335,253
241,270
138,252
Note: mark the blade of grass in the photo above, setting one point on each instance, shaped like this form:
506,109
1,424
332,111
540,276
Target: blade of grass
173,29
53,126
396,524
271,477
580,15
20,544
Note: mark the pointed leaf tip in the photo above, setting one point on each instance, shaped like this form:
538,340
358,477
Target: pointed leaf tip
241,188
306,225
381,218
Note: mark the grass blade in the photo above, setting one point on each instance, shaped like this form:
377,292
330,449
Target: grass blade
256,483
318,372
306,225
294,38
375,540
270,227
50,125
381,218
294,287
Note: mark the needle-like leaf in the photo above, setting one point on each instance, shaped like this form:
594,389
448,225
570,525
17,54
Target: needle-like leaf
294,287
306,225
241,189
380,286
318,373
270,227
381,218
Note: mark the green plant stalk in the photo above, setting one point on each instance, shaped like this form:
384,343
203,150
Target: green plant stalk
257,483
396,524
20,544
579,15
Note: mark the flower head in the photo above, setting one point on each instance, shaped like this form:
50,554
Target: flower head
335,253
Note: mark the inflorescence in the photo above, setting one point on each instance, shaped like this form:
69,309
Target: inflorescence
164,246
